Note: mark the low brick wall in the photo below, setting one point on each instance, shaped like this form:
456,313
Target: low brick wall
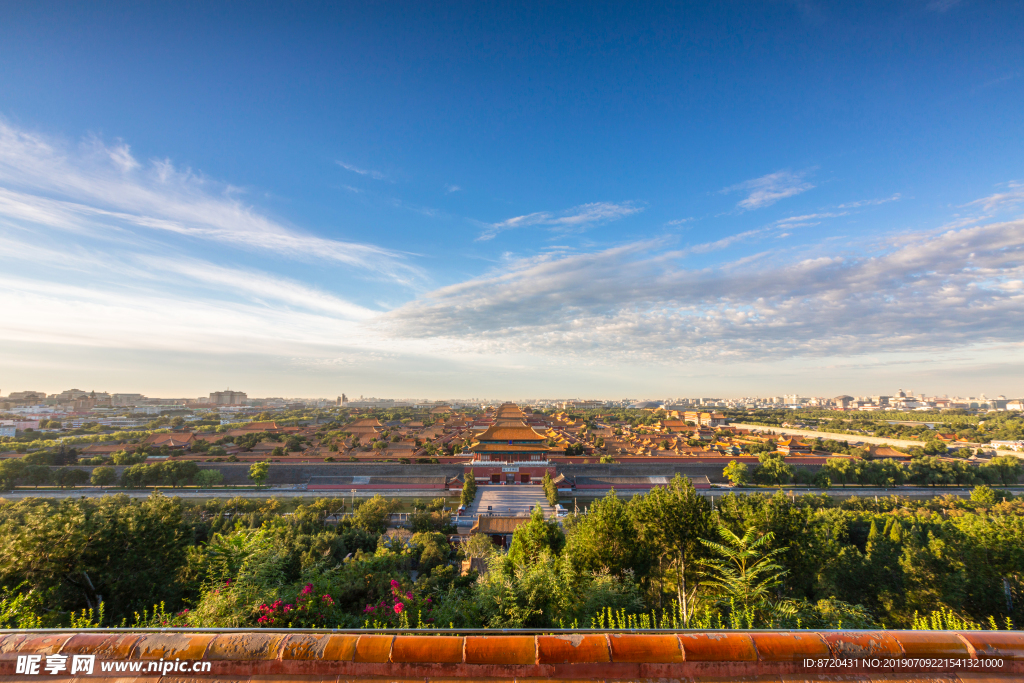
321,657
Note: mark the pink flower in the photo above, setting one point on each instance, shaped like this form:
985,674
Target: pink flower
394,584
409,595
428,600
369,608
307,590
399,607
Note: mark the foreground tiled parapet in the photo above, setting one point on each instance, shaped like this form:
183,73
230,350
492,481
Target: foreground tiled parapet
190,656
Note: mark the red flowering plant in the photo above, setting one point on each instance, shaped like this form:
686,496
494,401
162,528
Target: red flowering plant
401,609
308,609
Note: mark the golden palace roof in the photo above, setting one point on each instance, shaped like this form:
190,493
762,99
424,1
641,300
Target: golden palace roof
510,431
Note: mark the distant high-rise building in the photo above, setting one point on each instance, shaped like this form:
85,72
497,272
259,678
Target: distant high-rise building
228,398
342,400
27,396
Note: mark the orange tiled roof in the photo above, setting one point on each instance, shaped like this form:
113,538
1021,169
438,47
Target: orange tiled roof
249,657
171,440
509,431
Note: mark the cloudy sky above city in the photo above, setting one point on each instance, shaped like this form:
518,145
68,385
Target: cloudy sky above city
513,200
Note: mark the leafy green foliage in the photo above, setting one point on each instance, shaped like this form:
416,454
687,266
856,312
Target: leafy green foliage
550,491
469,489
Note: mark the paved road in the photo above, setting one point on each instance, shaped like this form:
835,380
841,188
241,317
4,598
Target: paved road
829,435
510,500
913,492
214,493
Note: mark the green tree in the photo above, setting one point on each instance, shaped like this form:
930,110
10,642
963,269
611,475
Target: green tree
1007,467
469,489
773,469
550,492
535,537
479,546
670,522
258,472
744,573
372,515
37,475
737,472
104,476
207,479
11,469
606,538
434,549
69,477
126,457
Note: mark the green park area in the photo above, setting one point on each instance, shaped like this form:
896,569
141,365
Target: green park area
661,559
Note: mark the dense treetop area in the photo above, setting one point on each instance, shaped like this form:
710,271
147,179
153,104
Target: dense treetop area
31,439
995,426
665,558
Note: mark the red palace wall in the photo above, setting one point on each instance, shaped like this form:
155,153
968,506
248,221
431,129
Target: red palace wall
485,474
374,487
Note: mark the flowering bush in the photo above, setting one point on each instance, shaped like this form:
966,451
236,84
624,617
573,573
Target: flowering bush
401,609
308,609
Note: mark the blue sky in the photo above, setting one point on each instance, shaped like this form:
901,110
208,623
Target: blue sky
518,200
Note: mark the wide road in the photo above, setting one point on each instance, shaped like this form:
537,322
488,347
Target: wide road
509,501
877,440
290,492
504,500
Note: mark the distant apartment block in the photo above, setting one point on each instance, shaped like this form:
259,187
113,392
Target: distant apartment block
27,396
228,398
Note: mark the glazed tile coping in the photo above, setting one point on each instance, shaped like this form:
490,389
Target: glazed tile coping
333,656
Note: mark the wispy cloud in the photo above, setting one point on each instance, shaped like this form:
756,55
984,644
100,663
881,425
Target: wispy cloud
452,188
1012,196
807,219
376,175
104,192
634,302
768,189
870,202
572,220
679,221
942,5
260,287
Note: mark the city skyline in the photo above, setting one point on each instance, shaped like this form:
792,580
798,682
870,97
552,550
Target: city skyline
226,396
409,201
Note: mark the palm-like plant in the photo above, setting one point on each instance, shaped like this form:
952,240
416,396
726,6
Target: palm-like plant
744,572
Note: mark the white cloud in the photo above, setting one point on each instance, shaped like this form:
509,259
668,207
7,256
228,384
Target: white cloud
376,175
870,202
768,189
575,219
806,220
942,5
102,191
452,188
920,293
259,286
679,221
1013,196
